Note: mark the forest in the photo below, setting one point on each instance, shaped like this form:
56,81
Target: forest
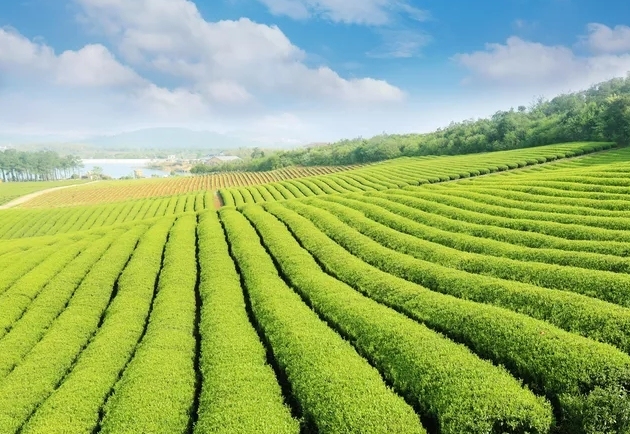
600,113
36,166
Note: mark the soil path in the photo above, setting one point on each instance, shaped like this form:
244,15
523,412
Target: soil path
22,199
218,201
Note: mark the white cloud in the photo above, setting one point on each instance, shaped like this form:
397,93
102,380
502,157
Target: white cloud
368,12
91,66
172,37
603,39
537,66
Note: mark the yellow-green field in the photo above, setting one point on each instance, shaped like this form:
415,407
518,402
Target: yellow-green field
485,293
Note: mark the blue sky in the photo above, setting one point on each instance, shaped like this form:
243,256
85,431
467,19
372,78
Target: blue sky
294,71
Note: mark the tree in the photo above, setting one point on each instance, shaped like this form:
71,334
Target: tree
35,166
257,153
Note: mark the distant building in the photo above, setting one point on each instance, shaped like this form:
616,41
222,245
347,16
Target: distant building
220,159
171,157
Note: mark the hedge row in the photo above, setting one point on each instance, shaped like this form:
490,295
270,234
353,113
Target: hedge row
400,234
74,406
438,376
520,208
17,269
587,316
465,237
240,393
17,298
559,225
337,390
157,388
518,232
47,364
553,362
55,296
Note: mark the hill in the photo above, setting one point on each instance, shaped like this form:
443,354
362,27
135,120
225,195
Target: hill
477,294
600,113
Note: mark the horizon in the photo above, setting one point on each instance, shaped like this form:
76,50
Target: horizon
293,71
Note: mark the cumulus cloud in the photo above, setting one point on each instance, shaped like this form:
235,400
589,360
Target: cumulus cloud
91,66
226,60
519,62
603,39
368,12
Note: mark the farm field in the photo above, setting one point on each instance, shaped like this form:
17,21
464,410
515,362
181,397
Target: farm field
122,190
403,172
13,190
411,296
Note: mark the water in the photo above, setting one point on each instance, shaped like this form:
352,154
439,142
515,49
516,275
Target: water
117,168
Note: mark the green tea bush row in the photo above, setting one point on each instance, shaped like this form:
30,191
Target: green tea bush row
560,225
573,312
441,230
437,375
50,360
337,390
157,387
551,361
17,298
518,232
55,296
16,270
240,393
398,233
74,406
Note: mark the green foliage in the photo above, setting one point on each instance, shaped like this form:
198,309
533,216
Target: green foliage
552,361
50,303
156,390
35,166
438,376
50,360
337,390
74,406
597,114
607,286
406,172
16,299
22,223
240,393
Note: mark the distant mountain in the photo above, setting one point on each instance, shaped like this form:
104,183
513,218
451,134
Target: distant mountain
148,138
168,138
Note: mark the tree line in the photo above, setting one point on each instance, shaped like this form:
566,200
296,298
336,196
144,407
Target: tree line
37,166
600,113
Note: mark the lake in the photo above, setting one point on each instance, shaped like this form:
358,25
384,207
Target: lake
117,168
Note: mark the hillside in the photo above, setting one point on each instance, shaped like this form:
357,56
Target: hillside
457,294
600,113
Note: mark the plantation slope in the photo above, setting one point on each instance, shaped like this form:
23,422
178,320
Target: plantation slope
551,361
122,190
360,303
13,190
21,223
404,172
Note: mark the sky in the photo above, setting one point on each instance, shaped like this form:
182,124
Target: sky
294,71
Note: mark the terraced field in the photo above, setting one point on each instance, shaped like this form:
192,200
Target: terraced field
13,190
20,223
490,304
405,172
122,190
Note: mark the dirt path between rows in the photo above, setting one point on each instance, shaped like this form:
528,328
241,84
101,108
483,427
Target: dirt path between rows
218,200
22,199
